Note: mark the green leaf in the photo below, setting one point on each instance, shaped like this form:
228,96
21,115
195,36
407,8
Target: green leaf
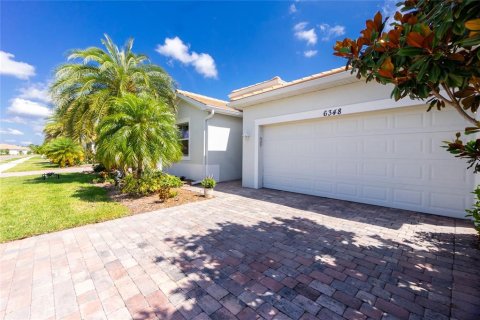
410,51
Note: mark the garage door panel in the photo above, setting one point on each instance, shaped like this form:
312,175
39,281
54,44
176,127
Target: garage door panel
390,158
409,120
376,168
405,197
409,170
347,190
376,124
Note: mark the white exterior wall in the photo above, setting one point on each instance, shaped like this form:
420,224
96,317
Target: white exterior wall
225,146
225,154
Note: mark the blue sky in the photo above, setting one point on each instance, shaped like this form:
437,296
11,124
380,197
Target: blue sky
209,48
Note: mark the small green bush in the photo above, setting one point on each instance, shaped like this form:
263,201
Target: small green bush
167,182
151,182
208,182
475,211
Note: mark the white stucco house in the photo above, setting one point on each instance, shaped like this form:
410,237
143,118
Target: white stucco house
335,136
14,149
211,136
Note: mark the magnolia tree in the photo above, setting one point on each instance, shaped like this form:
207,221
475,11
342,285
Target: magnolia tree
431,51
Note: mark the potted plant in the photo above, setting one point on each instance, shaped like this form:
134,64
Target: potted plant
208,184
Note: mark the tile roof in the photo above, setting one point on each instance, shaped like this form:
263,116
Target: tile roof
208,101
285,84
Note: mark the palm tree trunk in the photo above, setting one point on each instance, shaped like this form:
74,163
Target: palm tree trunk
140,168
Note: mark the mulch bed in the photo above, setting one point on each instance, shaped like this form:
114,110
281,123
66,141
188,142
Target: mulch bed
151,203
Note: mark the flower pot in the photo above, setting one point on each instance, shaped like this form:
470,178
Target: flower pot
208,192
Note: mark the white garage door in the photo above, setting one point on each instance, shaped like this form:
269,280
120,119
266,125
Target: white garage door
390,158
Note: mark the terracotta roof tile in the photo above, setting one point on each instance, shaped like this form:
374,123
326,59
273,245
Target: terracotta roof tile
206,100
286,84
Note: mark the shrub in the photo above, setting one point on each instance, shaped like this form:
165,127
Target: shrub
208,182
167,182
151,182
475,211
64,152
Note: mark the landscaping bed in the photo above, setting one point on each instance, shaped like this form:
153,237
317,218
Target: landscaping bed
152,202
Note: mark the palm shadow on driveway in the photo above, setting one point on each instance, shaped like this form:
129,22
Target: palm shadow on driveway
300,268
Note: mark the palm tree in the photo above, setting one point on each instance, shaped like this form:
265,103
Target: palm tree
139,133
83,90
54,128
63,151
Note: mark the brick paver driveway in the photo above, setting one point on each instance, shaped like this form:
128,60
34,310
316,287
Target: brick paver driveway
248,254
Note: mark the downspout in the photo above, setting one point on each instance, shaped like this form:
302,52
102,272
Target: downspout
205,142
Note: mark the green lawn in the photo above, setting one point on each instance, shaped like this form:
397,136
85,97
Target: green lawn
32,164
31,206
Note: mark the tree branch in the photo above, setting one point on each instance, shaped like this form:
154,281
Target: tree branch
453,102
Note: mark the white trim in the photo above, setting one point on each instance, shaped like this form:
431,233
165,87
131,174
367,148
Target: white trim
376,105
187,121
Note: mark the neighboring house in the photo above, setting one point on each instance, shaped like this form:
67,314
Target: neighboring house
211,138
13,149
335,136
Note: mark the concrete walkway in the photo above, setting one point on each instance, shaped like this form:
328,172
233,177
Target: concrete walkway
248,254
40,172
11,164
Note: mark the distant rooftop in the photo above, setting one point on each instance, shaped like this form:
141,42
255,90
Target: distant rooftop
4,146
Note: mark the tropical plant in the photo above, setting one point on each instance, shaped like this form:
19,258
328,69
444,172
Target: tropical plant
64,151
54,127
167,183
140,132
431,51
150,182
474,213
208,182
83,89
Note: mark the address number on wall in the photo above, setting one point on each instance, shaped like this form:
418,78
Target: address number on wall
332,112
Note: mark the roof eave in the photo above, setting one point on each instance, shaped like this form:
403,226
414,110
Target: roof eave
322,83
204,107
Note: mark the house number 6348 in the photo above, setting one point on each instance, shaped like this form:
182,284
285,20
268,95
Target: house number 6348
332,112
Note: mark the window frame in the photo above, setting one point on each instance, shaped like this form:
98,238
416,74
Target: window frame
187,122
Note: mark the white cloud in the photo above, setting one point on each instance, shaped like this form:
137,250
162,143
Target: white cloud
292,9
202,62
310,53
26,143
389,8
12,132
18,69
310,36
10,140
328,32
15,119
38,91
39,134
28,108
